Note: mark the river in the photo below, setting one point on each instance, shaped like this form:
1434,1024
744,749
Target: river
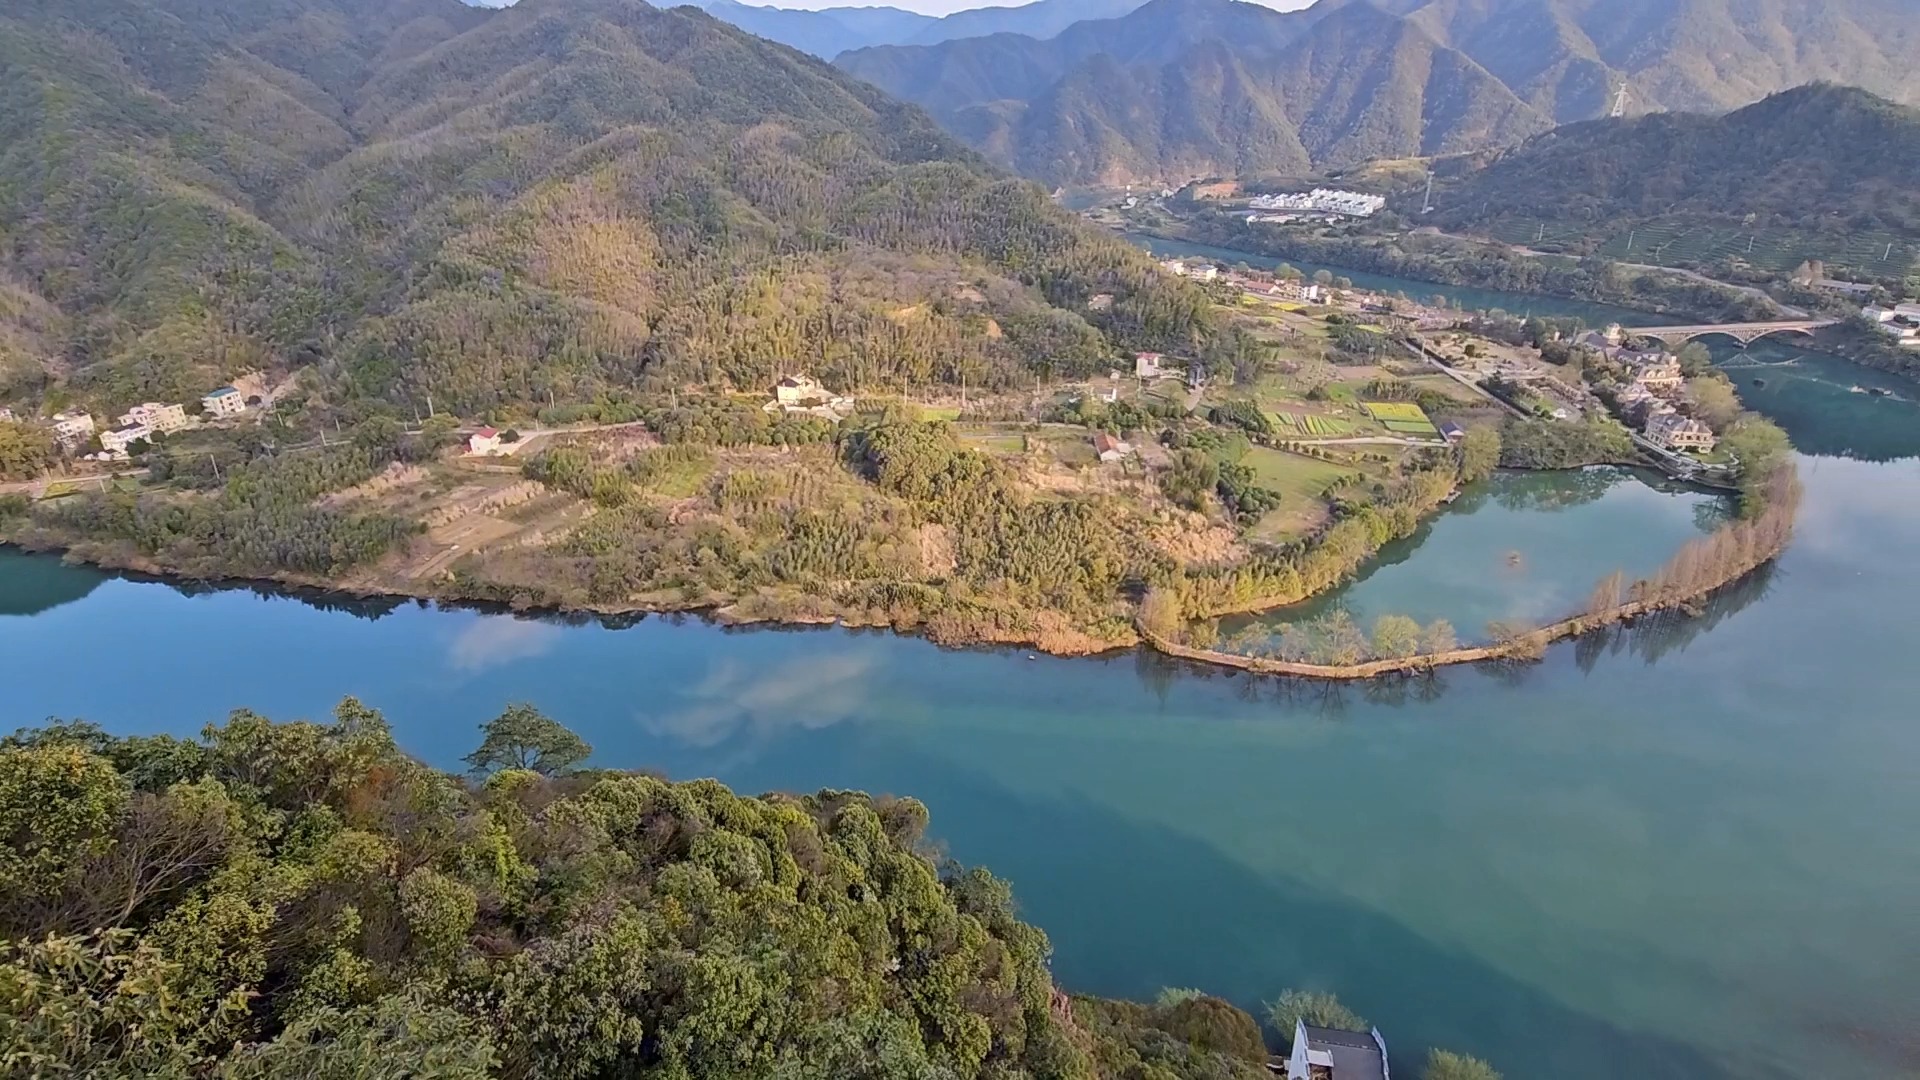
1676,852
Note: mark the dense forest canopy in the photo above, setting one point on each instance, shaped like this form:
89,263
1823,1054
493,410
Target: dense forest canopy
422,201
303,899
1822,157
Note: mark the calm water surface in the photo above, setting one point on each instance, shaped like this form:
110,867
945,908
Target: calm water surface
1681,852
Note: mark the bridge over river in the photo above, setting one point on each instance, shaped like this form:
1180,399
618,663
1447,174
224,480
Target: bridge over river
1744,333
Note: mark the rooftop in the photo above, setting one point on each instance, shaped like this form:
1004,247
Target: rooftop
1356,1056
225,391
486,433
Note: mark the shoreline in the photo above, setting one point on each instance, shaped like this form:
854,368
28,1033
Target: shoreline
1528,646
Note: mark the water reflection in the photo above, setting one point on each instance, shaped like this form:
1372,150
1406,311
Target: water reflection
736,698
493,640
32,584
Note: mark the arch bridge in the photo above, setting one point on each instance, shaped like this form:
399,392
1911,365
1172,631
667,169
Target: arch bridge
1744,333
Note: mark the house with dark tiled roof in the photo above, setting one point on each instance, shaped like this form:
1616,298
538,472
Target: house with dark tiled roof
1331,1054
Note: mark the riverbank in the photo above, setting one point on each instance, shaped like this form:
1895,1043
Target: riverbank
1457,261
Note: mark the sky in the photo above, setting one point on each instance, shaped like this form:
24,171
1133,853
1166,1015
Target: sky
925,7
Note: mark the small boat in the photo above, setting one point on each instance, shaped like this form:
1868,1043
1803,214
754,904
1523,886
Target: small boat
1879,391
1760,382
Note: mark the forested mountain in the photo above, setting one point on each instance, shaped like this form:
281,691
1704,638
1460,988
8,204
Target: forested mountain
1184,88
488,208
1568,57
828,32
281,900
1819,157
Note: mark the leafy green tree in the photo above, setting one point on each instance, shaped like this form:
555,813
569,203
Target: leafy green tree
59,804
523,737
1447,1065
102,1006
25,451
1395,637
398,1037
1315,1007
1478,453
1208,1023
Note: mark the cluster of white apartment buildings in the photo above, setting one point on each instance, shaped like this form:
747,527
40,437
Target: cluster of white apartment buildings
1324,200
1900,322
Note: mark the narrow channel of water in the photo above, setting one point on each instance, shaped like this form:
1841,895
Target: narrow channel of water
1519,547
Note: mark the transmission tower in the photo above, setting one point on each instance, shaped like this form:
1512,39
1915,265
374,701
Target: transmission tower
1619,102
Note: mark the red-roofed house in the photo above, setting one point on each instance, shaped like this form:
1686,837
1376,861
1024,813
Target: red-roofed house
486,441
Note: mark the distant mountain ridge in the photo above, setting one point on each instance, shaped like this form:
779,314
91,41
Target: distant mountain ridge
828,32
1213,86
1184,88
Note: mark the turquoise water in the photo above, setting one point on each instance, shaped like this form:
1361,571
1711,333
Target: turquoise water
1680,851
1521,547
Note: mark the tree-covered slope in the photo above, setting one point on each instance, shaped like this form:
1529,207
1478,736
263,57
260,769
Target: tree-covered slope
543,203
1818,157
1186,88
303,899
1568,56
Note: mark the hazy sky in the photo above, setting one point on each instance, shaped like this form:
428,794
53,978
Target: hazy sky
947,7
926,7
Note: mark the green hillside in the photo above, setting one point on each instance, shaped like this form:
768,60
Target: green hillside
1187,88
1822,172
551,202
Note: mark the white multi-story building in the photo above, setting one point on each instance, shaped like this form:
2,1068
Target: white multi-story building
155,415
117,440
1324,200
225,401
72,428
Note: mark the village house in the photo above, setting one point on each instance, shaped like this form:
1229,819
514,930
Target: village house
119,439
1331,1054
1110,449
1451,431
155,415
1146,365
1174,267
798,390
72,428
224,402
1672,431
1658,371
804,394
484,443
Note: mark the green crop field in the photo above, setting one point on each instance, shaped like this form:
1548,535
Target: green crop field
1411,427
1402,411
1311,424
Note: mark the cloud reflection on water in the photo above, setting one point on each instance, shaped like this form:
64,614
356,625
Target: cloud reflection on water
492,640
808,692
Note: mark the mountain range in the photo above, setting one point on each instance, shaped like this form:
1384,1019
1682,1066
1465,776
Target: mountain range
420,199
828,32
1183,88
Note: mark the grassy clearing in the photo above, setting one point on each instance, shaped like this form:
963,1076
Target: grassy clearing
1302,482
992,441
